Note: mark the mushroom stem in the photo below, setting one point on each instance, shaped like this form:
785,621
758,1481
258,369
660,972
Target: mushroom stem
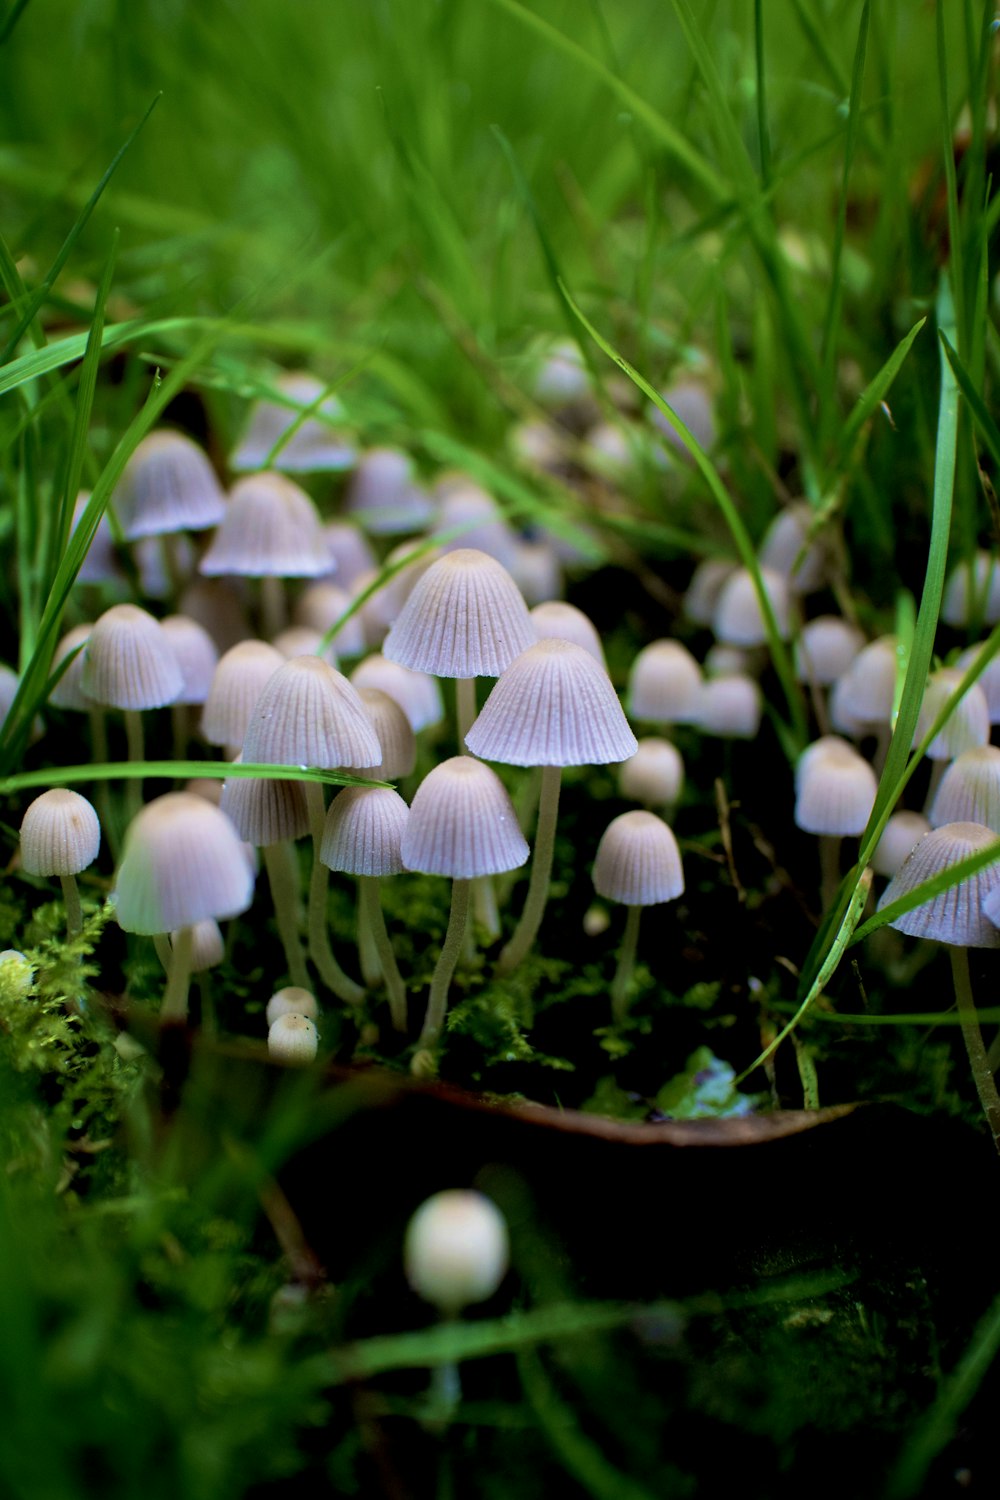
622,981
332,975
164,952
175,998
829,862
279,861
541,874
136,753
71,900
437,1003
371,969
465,709
272,606
981,1072
372,920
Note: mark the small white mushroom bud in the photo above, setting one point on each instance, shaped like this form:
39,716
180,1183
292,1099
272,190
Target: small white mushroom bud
457,1249
292,1000
293,1040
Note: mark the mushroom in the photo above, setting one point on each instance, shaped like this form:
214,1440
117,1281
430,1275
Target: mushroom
637,864
61,835
292,1039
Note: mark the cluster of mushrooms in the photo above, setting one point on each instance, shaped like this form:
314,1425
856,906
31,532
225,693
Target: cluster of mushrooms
278,599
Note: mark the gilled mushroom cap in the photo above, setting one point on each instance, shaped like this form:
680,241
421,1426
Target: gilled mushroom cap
310,715
465,618
271,529
240,677
196,656
565,621
302,640
536,569
168,485
561,376
553,706
900,836
265,812
384,496
972,590
208,946
868,687
988,679
825,649
970,790
351,551
663,684
129,661
462,502
703,591
318,445
692,402
292,1000
68,691
417,693
738,619
181,864
364,831
836,794
654,775
60,834
394,733
292,1039
456,1249
955,915
320,606
638,862
787,549
729,707
100,565
462,823
218,606
967,726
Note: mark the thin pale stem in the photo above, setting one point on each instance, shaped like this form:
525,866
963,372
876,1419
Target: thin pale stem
485,909
71,901
372,920
136,753
320,951
282,875
437,1003
465,709
541,873
622,982
981,1071
180,723
175,999
164,952
272,607
371,969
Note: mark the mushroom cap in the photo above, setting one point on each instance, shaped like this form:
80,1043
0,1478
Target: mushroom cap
218,604
738,619
692,402
310,715
654,775
383,495
351,551
702,594
729,661
292,1039
208,946
638,862
364,830
316,446
462,823
271,529
901,834
969,791
100,564
465,618
168,485
417,693
129,661
60,834
788,550
836,793
182,863
663,684
456,1249
729,707
68,691
265,812
462,502
553,706
196,655
240,677
394,733
292,1000
320,606
968,724
867,689
562,375
956,915
536,569
555,617
302,640
982,572
825,649
988,679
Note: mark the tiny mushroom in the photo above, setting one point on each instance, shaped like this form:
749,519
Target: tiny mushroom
637,864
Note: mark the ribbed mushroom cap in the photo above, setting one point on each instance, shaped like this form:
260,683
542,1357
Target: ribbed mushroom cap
988,679
168,485
900,836
417,693
301,640
209,787
240,677
970,790
825,649
828,745
654,775
265,812
536,570
867,688
384,497
271,529
181,864
836,794
729,707
462,823
456,1250
350,550
320,606
318,445
787,549
555,618
738,620
60,834
663,684
218,605
967,726
292,1039
638,862
465,618
68,691
956,915
462,502
208,946
293,1000
553,706
702,594
364,831
129,661
394,733
101,564
957,605
310,715
196,656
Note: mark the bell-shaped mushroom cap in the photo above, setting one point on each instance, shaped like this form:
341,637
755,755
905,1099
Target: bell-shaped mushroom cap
738,618
384,497
901,834
320,606
240,677
364,831
968,724
168,485
654,775
663,684
417,693
271,529
196,656
866,691
827,745
310,715
638,862
181,864
208,946
456,1250
706,585
988,679
692,402
462,502
350,550
394,733
555,618
825,649
318,445
536,570
265,812
970,790
961,603
729,707
218,605
300,640
60,834
462,823
464,618
955,915
553,706
292,1000
129,661
68,691
292,1039
836,793
562,375
788,550
729,661
100,565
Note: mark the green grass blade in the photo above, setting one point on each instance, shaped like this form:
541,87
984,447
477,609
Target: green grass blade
873,395
174,770
763,134
988,429
928,889
11,19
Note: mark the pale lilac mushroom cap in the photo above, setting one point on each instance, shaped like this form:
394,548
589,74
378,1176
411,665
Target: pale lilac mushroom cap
394,733
463,503
787,549
196,654
68,691
702,594
738,619
182,863
825,649
383,494
901,835
654,775
271,529
973,591
462,823
292,1039
100,565
240,677
168,485
465,618
955,915
219,606
835,793
350,550
556,618
417,693
60,834
364,831
664,684
729,707
302,640
208,946
536,570
553,706
967,726
867,689
320,606
729,661
318,445
129,661
970,790
638,862
562,376
310,715
265,812
988,679
692,402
